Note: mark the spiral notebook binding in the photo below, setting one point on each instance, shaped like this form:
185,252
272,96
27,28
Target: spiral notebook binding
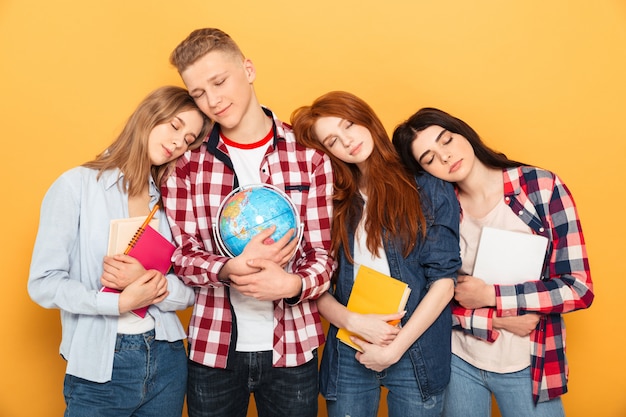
136,237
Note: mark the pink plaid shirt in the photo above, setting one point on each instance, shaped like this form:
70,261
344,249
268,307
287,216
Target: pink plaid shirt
543,202
192,196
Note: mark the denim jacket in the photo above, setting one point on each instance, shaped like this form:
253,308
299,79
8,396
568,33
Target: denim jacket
434,257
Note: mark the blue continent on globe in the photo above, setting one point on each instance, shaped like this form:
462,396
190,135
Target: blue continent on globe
248,211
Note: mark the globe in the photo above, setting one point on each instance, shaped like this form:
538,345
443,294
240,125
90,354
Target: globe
248,210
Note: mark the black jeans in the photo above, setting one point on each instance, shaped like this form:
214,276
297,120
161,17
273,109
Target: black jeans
284,392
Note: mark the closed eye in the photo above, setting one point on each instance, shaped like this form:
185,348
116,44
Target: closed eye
428,159
197,94
189,139
331,141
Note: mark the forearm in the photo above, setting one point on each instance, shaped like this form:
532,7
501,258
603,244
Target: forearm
477,322
568,286
333,311
560,294
431,306
315,274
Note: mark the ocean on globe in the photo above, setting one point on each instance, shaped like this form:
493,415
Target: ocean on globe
248,210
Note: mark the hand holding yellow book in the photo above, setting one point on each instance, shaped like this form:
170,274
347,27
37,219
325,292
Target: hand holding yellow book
374,293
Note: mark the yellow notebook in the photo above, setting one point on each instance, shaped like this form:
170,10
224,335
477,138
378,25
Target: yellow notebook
374,293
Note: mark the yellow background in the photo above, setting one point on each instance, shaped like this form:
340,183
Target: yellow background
543,81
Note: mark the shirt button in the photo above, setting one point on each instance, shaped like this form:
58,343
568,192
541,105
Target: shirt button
507,199
541,229
520,212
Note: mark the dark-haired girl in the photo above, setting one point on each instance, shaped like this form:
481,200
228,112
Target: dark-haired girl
508,339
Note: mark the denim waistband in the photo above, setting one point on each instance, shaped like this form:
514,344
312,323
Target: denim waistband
134,341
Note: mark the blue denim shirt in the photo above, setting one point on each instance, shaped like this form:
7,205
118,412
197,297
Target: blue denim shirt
434,257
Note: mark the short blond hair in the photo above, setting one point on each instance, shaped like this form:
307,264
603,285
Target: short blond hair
199,43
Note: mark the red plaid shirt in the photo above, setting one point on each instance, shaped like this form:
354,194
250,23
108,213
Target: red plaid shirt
192,196
543,202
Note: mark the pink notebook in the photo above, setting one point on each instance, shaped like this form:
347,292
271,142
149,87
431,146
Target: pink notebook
153,251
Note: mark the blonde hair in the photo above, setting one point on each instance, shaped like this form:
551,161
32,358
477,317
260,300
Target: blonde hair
129,152
199,43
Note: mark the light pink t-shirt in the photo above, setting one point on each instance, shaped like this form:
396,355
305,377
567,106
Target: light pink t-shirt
509,353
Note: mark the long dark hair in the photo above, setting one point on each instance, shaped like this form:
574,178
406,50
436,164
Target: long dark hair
405,133
393,204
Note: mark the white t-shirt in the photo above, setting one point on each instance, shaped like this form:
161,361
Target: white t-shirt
130,323
255,319
362,256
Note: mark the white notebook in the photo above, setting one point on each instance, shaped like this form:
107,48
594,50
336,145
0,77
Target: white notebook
506,257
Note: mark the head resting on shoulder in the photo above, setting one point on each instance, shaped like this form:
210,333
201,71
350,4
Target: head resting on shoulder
394,204
158,107
346,106
199,43
405,133
129,151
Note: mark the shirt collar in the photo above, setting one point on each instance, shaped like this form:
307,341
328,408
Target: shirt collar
114,177
111,177
511,178
278,128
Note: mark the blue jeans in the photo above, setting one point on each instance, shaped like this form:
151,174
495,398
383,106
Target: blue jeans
285,392
149,379
358,390
470,389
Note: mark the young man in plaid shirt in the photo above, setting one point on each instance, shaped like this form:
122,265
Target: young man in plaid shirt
255,327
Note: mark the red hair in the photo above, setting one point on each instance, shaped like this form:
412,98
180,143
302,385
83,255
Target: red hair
394,209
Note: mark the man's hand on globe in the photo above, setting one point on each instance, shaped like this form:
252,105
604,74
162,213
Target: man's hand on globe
262,246
279,252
